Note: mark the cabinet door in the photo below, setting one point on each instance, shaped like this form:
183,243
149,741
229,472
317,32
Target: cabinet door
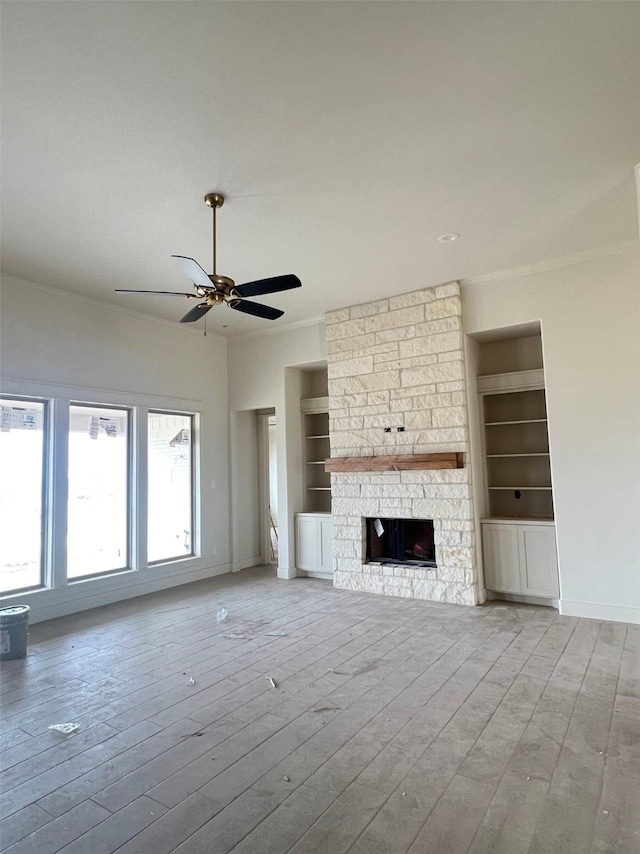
501,558
538,560
325,544
307,542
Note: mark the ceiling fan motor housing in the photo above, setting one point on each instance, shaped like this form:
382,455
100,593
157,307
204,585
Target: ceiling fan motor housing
222,284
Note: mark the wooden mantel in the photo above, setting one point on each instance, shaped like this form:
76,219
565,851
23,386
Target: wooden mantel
396,462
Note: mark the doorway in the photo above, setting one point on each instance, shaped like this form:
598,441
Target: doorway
268,464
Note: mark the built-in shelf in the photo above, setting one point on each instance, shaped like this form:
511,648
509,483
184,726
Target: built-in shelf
518,421
520,488
517,463
315,427
519,520
508,456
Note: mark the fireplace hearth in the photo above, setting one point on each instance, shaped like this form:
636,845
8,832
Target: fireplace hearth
401,541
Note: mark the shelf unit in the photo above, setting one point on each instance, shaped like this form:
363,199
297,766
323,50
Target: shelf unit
315,429
517,470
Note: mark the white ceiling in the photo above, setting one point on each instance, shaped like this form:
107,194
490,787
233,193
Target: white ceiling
346,137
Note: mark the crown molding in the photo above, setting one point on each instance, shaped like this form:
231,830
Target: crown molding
118,309
285,327
637,170
557,263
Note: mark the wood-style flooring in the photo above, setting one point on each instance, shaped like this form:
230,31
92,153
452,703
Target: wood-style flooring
395,726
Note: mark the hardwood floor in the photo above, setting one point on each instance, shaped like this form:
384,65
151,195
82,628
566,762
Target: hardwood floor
395,726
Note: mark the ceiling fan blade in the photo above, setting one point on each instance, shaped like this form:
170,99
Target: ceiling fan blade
166,293
194,271
256,308
196,313
267,286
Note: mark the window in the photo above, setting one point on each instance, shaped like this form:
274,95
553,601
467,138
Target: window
22,434
170,494
98,509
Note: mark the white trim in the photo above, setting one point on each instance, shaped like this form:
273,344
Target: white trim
284,327
637,170
86,394
544,266
503,596
77,296
595,611
263,487
247,563
138,479
511,381
313,573
48,603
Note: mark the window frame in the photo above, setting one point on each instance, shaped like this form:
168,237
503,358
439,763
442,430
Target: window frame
192,416
130,521
44,490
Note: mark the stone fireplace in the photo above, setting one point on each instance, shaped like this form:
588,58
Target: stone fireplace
397,386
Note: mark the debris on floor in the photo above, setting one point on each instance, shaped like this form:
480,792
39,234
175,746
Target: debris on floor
222,615
65,728
366,668
339,672
235,636
191,681
271,680
277,633
286,779
326,708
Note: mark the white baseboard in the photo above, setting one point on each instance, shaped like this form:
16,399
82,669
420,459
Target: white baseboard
312,573
594,611
49,603
247,562
496,596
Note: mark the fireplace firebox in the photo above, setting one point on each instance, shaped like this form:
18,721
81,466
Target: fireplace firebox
403,541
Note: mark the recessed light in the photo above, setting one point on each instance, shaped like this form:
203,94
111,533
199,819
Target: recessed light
449,237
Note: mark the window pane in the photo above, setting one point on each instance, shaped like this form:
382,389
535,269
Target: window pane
170,486
21,470
98,494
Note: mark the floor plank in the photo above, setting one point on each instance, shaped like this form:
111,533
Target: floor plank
395,726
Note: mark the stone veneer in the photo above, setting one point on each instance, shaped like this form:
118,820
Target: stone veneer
399,362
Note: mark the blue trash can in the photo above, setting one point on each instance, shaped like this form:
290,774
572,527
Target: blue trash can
14,622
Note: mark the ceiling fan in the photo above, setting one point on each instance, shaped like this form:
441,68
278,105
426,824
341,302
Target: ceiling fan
214,289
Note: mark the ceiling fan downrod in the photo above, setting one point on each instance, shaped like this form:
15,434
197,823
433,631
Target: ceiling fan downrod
215,201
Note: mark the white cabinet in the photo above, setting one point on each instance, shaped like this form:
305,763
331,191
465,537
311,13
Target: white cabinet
538,560
501,558
314,543
520,558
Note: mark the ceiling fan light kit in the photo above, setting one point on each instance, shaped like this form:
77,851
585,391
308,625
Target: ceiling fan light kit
214,289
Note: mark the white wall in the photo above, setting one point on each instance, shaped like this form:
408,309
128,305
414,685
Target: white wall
590,316
256,363
261,377
247,547
58,345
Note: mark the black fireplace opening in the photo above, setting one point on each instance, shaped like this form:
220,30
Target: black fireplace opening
408,541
